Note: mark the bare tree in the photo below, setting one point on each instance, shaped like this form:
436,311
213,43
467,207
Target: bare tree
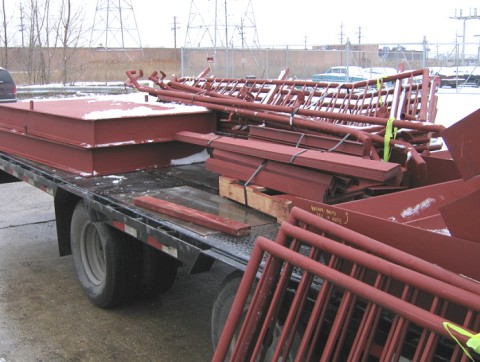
33,59
70,32
41,45
5,36
52,25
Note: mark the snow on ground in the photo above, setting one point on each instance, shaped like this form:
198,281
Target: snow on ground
455,104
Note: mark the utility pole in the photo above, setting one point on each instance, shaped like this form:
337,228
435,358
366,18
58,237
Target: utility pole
341,33
175,28
359,34
464,18
22,26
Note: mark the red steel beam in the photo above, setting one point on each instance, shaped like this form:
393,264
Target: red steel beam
325,161
195,216
383,250
94,161
282,183
99,122
296,172
434,246
307,140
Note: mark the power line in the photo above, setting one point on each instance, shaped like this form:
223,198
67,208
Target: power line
460,16
115,26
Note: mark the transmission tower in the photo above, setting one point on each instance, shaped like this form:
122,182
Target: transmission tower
460,16
115,26
222,24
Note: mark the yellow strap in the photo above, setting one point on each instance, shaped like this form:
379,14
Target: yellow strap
379,89
473,342
390,133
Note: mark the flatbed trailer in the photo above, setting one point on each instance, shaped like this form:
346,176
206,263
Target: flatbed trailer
110,200
123,251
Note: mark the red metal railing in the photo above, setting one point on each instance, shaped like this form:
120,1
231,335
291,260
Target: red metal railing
329,117
403,96
365,300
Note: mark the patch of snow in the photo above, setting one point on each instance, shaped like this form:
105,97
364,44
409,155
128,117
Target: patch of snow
116,179
444,231
196,158
417,208
150,109
120,113
114,144
455,104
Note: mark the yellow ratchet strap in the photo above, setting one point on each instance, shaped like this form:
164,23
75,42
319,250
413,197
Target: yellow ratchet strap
390,133
379,88
473,341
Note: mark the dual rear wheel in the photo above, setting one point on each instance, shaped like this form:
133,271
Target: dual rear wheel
113,267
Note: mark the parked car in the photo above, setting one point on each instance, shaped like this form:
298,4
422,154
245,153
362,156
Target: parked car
448,77
341,74
378,72
471,74
8,89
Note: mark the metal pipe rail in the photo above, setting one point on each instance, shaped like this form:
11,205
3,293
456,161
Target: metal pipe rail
413,88
371,301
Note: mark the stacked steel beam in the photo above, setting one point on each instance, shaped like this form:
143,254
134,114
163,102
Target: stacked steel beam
343,125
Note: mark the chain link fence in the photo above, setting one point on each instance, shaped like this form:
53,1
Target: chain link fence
303,63
96,64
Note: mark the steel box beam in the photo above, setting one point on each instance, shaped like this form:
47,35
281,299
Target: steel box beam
94,161
102,121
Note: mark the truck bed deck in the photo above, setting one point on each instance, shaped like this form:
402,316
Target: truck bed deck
113,196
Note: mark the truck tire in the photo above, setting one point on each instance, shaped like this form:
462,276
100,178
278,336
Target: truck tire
159,272
106,261
223,303
221,308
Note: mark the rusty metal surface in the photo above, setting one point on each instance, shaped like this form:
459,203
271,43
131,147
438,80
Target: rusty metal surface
103,121
372,301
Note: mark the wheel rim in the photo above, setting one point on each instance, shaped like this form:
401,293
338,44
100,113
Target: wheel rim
92,254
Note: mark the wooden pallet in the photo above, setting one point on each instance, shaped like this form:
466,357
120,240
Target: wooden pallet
256,197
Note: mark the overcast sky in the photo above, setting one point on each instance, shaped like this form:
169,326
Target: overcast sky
299,22
289,22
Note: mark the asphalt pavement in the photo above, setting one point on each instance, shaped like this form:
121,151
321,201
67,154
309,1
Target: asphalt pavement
44,315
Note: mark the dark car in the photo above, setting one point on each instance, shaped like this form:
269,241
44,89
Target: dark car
8,89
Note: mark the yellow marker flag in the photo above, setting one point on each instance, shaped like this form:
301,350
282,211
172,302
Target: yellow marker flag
473,341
